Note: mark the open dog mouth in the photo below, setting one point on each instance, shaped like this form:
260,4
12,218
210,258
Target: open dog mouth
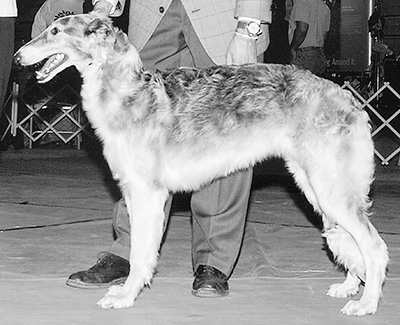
50,65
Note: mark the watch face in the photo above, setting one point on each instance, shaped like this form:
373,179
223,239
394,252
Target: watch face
253,28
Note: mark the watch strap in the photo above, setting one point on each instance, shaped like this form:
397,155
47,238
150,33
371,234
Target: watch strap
244,25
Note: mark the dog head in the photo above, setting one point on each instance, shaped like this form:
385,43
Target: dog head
79,40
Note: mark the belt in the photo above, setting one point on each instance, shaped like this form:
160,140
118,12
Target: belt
307,48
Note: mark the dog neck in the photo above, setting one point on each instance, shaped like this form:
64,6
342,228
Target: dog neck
116,84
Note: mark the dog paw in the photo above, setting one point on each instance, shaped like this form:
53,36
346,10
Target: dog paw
114,290
358,308
342,290
108,302
115,298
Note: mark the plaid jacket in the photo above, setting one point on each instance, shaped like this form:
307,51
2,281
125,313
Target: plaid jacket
213,21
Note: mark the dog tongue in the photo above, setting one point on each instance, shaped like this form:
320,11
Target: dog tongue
53,62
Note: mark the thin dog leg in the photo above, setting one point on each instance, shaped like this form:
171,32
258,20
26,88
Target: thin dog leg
146,214
347,253
302,181
362,250
339,241
341,187
339,172
374,256
376,259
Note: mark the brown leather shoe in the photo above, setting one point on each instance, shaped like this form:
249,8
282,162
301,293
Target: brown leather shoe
210,282
109,270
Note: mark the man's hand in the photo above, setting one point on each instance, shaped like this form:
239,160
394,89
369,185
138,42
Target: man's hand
292,56
242,49
102,7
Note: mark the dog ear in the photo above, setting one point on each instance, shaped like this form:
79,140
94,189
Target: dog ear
121,43
100,27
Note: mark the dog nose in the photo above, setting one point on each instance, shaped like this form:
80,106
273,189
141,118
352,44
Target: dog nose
17,58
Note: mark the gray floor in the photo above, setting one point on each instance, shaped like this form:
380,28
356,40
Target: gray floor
55,212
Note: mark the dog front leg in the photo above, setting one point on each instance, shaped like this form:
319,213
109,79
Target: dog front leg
145,206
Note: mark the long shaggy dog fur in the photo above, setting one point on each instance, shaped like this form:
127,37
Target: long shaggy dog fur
179,130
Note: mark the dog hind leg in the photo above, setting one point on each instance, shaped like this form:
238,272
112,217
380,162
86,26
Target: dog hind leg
360,249
338,240
302,181
341,184
339,169
145,206
348,254
374,254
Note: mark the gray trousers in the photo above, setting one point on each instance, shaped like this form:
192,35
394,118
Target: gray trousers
6,55
218,210
312,59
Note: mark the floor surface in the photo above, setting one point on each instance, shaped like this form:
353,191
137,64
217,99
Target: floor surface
55,218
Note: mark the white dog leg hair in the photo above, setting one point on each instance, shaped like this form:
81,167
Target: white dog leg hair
341,185
364,239
374,251
303,183
339,241
347,253
335,235
145,205
361,251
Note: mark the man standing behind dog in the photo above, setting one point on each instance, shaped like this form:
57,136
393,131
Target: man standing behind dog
309,24
170,34
52,10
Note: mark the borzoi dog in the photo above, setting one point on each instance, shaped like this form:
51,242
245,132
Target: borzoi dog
179,130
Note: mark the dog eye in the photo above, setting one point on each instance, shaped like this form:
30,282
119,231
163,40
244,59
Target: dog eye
55,31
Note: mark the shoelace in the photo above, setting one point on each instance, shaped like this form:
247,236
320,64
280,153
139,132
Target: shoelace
104,258
210,270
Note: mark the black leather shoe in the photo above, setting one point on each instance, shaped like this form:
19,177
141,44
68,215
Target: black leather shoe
210,282
109,270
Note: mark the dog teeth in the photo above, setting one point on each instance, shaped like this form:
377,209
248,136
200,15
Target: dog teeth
53,62
59,57
40,75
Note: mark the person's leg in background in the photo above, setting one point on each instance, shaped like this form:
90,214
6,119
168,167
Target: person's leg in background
219,209
312,59
6,55
219,212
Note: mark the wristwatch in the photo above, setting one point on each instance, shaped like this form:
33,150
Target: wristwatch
252,28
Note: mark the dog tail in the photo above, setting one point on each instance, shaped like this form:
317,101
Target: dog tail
360,154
